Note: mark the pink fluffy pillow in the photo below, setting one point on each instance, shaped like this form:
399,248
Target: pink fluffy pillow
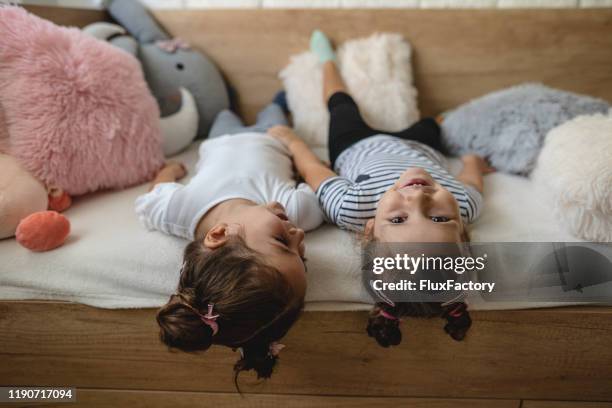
78,113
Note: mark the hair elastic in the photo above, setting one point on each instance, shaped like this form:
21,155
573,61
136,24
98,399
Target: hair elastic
457,311
275,348
386,315
208,319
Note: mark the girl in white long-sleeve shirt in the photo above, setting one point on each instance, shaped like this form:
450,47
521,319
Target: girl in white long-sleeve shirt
243,278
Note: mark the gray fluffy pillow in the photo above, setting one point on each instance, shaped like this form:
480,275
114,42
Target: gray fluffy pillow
508,126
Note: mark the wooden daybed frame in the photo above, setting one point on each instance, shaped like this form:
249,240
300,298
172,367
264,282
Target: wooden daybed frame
510,358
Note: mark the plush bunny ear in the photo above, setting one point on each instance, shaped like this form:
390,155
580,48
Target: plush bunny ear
135,18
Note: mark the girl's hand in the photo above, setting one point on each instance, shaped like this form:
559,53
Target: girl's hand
308,165
171,172
174,169
285,135
480,163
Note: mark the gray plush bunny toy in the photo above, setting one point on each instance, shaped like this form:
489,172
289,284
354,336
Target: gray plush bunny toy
188,87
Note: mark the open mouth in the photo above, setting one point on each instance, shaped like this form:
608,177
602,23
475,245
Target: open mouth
417,183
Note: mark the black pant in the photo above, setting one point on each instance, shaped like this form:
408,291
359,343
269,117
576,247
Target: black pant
347,127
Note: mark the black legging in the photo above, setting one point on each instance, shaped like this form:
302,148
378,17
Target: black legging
347,127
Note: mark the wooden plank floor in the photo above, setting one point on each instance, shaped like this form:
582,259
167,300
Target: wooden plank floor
565,404
160,399
151,399
560,354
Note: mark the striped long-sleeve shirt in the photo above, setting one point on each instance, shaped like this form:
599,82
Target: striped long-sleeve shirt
370,167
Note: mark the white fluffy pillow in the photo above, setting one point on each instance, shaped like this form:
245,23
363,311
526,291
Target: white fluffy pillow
378,73
575,170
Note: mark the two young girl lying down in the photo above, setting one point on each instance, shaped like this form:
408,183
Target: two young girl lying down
242,283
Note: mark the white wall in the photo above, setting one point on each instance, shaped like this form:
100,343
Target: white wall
194,4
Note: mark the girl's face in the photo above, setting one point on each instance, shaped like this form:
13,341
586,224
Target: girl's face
267,230
417,209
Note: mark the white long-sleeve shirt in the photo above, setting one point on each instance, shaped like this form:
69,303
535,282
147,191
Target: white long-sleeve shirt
251,166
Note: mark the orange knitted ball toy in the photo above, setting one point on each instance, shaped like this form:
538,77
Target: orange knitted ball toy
43,231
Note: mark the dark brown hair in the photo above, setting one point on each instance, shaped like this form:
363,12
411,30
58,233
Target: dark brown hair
255,303
386,331
384,319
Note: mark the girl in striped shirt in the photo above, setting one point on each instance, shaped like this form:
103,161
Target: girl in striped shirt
391,186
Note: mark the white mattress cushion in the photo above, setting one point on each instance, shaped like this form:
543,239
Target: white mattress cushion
112,261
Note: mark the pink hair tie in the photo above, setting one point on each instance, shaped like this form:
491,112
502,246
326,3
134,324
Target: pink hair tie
209,319
386,315
457,311
275,348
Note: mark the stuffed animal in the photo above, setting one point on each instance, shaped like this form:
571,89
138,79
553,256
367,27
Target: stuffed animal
23,209
378,73
508,127
21,194
76,116
177,75
574,175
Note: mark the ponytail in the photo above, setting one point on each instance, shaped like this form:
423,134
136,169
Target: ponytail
458,320
181,326
254,306
256,357
383,325
384,320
